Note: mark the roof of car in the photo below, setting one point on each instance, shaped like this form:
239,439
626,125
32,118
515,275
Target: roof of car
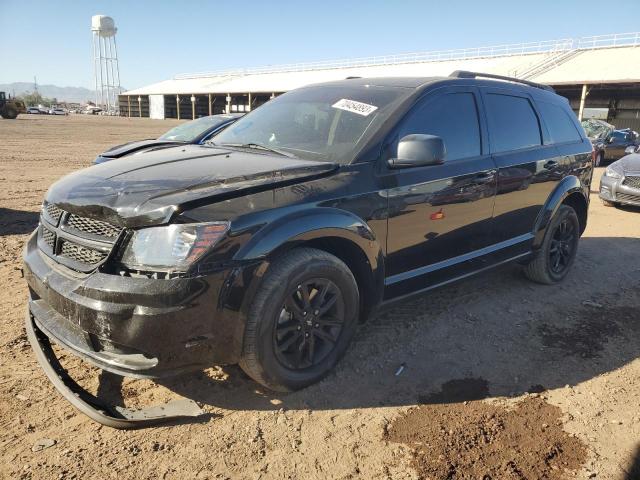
399,82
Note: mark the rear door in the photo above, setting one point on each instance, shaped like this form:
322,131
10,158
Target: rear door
529,166
439,215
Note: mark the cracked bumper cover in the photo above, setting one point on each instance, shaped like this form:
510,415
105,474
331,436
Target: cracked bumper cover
136,327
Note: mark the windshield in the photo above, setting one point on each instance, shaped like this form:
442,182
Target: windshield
325,123
189,131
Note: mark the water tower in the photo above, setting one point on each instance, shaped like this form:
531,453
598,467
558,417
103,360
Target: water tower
105,62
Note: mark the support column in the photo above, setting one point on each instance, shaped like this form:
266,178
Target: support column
129,104
249,102
139,106
193,107
210,105
178,105
228,107
583,97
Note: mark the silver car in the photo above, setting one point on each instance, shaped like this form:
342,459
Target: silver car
620,183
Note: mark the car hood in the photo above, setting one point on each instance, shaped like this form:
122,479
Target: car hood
630,164
131,147
150,188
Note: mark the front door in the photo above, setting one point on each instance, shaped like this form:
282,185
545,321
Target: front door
440,215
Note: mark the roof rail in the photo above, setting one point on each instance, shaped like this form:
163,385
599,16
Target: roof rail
466,74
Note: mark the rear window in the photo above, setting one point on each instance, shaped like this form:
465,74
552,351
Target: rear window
513,124
561,128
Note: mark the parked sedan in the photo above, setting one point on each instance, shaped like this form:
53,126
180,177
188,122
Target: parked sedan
194,132
620,183
598,132
34,110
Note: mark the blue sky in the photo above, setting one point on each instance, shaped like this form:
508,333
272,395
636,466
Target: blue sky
158,39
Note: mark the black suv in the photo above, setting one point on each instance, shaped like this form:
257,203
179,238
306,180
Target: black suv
268,247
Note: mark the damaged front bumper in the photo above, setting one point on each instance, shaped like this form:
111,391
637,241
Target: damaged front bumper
136,327
111,416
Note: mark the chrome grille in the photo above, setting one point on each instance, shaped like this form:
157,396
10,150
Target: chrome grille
633,182
78,242
93,227
49,237
52,213
625,197
79,253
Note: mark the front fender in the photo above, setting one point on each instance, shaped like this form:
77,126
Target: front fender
303,226
567,186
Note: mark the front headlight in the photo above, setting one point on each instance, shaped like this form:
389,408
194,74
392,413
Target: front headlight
172,247
612,171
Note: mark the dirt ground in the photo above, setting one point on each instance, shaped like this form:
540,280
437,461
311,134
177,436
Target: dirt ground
500,378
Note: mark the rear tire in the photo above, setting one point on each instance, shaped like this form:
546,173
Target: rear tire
558,250
301,320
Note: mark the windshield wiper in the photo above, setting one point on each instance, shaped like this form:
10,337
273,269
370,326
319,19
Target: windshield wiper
257,146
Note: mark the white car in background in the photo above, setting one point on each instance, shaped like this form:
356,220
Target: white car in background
58,111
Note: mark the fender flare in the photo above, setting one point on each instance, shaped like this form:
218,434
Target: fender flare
317,223
567,186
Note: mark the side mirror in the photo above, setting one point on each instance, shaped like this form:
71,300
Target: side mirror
419,150
610,140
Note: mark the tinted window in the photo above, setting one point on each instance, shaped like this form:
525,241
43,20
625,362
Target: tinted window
561,127
619,136
454,118
513,124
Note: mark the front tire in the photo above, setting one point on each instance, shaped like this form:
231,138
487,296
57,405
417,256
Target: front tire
558,250
301,320
10,113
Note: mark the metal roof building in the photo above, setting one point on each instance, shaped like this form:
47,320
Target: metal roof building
604,70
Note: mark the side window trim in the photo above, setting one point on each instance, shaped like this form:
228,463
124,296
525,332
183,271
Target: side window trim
542,130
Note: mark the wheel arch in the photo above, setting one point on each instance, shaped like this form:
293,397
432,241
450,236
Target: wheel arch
337,232
569,191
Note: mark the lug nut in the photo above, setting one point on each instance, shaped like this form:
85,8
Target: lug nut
317,325
306,335
304,314
299,327
316,312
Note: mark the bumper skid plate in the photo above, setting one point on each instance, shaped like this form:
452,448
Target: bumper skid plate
109,415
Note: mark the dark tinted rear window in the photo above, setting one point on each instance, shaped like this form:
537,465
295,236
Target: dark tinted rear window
561,127
454,118
513,123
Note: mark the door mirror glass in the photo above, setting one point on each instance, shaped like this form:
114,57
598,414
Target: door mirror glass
418,150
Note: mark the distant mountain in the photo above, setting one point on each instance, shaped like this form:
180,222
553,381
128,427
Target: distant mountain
63,94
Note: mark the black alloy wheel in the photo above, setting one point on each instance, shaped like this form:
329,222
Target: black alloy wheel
563,244
310,323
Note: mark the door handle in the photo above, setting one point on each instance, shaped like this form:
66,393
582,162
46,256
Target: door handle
484,178
551,164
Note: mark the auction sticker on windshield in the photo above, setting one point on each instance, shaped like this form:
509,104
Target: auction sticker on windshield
360,108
